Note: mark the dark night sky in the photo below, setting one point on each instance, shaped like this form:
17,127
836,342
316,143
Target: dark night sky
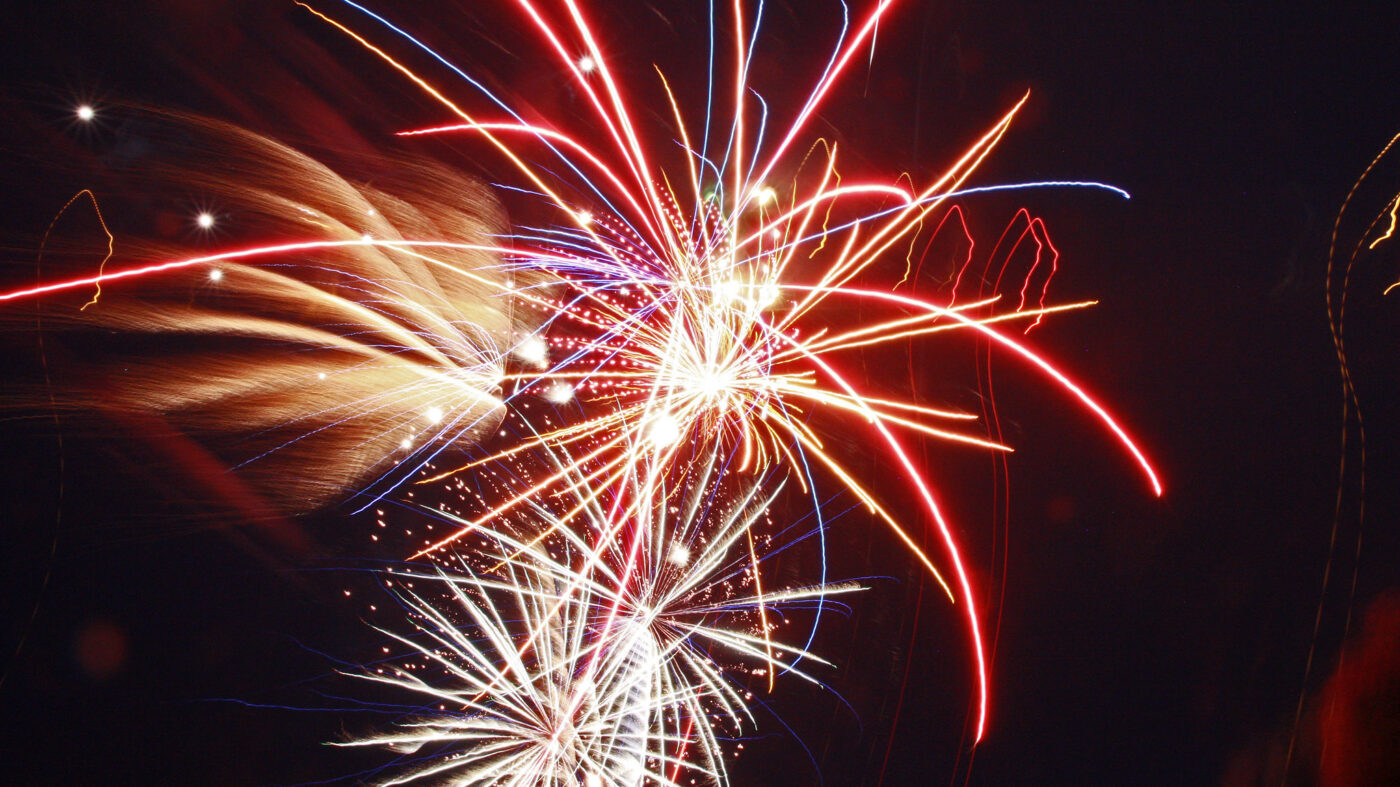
1142,641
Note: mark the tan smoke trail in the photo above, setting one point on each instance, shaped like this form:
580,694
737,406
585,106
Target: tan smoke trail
311,373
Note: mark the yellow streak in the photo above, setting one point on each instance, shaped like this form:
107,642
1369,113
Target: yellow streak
815,346
1394,207
861,406
685,144
101,266
762,612
824,348
874,508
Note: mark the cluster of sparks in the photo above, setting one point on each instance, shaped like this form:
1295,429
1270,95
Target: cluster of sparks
691,327
551,654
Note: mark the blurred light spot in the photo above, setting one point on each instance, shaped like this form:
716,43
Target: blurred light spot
1061,509
532,350
101,649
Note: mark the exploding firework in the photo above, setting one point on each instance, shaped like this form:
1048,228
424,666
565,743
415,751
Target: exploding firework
589,656
693,312
693,305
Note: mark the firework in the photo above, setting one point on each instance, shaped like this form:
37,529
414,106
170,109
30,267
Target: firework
346,351
692,305
567,655
692,322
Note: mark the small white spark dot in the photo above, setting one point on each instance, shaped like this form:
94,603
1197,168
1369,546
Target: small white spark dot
679,554
532,350
205,220
86,113
559,393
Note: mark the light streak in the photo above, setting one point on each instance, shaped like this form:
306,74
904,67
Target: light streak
111,240
1338,281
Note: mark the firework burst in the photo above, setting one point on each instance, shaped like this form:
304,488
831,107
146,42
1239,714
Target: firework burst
284,358
610,653
694,324
695,305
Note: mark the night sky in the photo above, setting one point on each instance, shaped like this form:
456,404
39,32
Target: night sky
152,635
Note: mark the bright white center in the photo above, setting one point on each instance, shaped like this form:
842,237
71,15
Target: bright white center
728,291
205,220
711,384
587,64
216,275
433,414
86,113
664,430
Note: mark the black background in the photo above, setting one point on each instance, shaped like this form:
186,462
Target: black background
1141,641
